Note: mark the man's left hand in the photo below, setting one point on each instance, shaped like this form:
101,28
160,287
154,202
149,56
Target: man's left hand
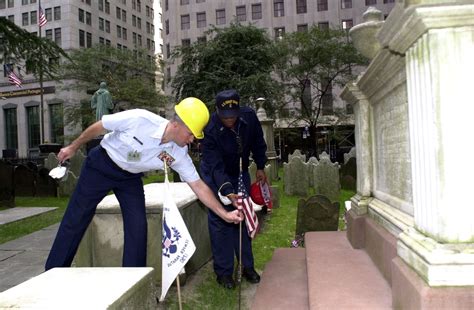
261,176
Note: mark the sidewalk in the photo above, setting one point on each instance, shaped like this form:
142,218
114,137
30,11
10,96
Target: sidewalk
24,258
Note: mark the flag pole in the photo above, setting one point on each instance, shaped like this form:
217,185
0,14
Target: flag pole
41,79
177,277
239,271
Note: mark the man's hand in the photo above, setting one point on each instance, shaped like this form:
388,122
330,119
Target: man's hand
233,198
261,176
234,217
66,152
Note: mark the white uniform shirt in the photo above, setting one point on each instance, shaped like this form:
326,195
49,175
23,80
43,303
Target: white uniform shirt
134,144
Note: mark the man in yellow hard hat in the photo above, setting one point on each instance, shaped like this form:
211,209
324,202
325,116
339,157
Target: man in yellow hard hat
138,141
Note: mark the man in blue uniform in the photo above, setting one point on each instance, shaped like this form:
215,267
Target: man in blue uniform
139,141
232,133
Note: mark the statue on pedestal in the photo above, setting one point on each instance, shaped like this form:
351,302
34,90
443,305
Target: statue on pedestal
102,102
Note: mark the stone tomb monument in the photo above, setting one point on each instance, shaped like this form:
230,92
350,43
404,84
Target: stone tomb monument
7,197
102,245
412,212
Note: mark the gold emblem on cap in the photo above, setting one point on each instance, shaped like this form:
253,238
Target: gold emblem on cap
230,102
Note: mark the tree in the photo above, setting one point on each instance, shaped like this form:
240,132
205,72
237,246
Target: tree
130,78
236,57
18,45
310,64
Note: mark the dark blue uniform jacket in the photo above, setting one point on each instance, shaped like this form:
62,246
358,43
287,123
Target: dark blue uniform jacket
220,162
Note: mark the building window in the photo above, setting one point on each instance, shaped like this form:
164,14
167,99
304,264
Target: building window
278,8
89,39
370,2
57,13
57,36
139,23
119,31
201,19
11,129
168,75
101,5
33,17
185,22
57,124
346,4
88,18
107,26
118,13
257,11
101,23
241,13
199,1
134,21
24,2
202,39
148,27
184,2
302,28
186,42
32,118
166,5
139,6
327,99
323,25
220,17
388,1
347,24
11,18
82,38
301,7
322,5
48,13
124,33
25,19
107,7
48,34
279,33
167,26
101,40
168,51
81,15
124,16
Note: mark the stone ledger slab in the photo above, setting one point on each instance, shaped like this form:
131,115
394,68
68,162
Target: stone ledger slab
84,288
19,213
102,246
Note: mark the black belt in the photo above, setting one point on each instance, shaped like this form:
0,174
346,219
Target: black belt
104,151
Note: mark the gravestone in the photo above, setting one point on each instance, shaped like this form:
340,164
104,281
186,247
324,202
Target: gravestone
24,181
312,161
295,177
317,213
348,174
350,154
7,197
45,185
67,186
253,171
297,153
326,178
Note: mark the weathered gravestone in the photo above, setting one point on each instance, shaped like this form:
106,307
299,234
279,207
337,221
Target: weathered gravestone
67,184
295,177
350,154
312,161
24,181
253,171
317,213
326,178
45,185
297,153
348,174
7,197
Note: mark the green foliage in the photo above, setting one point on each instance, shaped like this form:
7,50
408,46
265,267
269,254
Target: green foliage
130,78
237,57
18,45
310,64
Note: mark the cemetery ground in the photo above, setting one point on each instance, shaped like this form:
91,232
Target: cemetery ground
200,290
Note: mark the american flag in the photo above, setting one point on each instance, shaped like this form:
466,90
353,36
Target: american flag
245,204
13,78
42,18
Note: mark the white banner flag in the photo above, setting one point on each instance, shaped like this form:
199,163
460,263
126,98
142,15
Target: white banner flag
177,246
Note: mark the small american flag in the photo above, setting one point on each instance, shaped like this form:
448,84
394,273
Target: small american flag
14,79
245,204
42,18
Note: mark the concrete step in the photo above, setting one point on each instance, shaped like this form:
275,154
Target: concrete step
340,277
284,283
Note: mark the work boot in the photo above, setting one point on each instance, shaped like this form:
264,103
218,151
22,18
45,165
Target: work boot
226,281
251,275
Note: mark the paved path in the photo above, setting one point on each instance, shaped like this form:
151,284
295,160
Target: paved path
18,213
24,258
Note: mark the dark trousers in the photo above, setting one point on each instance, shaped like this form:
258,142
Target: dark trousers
99,175
225,241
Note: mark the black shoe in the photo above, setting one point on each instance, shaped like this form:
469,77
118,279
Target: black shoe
251,275
226,281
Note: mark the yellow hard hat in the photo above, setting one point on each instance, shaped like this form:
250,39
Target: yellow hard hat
194,113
